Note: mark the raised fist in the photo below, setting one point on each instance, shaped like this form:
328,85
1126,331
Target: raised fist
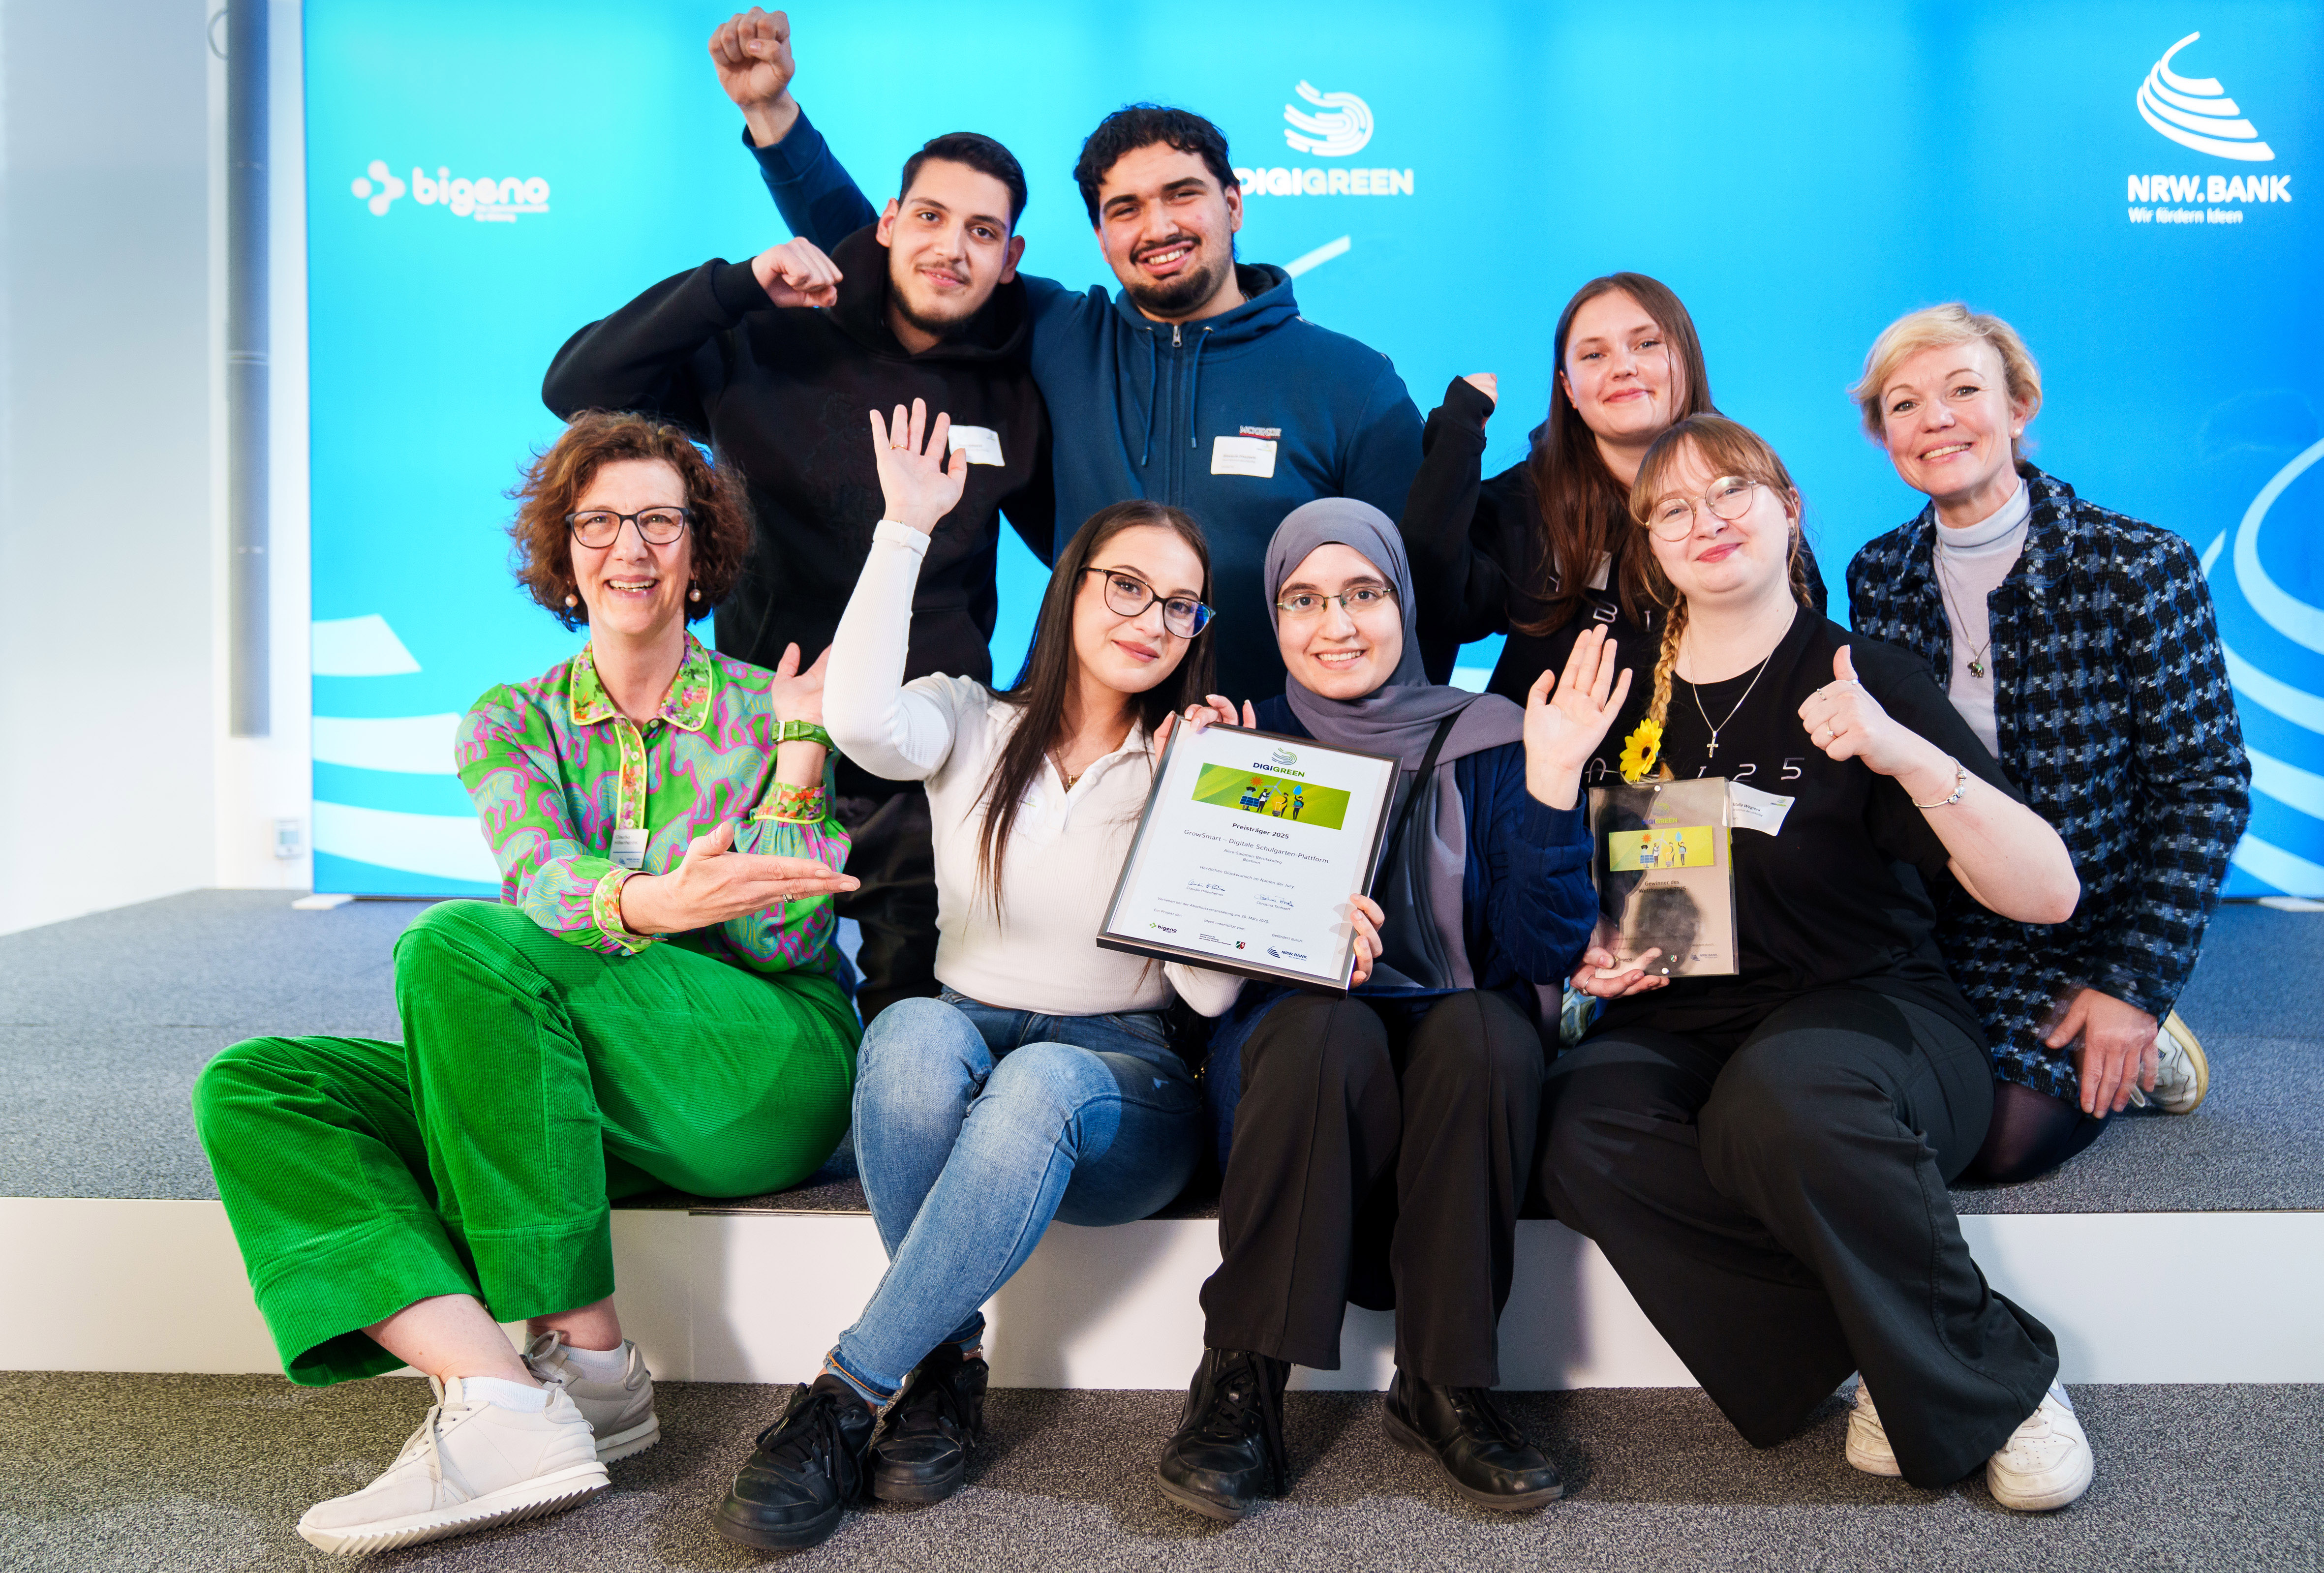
753,53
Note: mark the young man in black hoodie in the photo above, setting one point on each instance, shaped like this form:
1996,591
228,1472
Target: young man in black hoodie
776,362
1197,383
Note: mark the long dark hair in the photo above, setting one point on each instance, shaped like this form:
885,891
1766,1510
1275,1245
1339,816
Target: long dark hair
1584,511
1051,666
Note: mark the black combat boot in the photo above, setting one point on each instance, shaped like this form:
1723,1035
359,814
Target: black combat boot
1487,1457
927,1436
1228,1452
808,1468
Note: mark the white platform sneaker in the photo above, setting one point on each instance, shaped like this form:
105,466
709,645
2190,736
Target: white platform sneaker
471,1465
2183,1075
621,1411
2045,1464
1867,1439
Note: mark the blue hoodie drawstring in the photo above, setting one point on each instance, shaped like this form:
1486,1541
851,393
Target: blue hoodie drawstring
1153,395
1194,389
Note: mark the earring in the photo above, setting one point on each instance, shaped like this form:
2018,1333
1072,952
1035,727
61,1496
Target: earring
571,601
694,592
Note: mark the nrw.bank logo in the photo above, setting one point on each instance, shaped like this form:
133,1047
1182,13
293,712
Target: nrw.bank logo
1339,127
484,199
2196,113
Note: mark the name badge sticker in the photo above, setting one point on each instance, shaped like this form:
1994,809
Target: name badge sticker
1243,455
982,444
1756,810
629,847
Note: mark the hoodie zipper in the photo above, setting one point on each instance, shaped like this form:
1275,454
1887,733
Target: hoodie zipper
1177,472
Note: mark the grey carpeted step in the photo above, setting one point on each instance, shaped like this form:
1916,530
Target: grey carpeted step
120,1473
105,1020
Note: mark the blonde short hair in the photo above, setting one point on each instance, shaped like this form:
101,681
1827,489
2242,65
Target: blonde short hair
1933,327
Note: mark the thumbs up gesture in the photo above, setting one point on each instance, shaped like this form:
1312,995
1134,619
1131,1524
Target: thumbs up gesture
1847,723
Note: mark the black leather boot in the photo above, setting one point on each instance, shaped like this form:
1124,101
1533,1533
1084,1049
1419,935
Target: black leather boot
1487,1457
808,1468
1228,1451
922,1451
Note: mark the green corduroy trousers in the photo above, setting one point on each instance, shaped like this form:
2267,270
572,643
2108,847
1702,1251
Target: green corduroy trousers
537,1082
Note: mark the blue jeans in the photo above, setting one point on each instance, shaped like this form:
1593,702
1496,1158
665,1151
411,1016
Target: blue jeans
974,1126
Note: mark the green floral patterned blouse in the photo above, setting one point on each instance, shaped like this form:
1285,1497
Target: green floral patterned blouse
555,769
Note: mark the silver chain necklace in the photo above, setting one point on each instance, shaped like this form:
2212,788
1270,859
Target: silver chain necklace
1712,751
1945,590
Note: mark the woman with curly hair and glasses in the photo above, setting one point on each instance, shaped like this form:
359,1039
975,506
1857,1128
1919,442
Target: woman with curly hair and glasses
651,1002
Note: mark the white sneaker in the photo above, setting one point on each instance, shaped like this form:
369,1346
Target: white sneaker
470,1465
2182,1074
1867,1438
621,1413
2046,1462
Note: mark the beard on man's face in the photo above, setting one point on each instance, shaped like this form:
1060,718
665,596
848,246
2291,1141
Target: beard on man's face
957,312
1188,289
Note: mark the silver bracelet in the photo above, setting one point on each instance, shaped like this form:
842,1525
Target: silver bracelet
1960,785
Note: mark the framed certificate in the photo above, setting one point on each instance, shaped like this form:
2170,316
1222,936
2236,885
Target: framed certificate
1249,846
1666,874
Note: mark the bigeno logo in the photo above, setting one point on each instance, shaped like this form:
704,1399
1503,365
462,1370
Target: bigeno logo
2196,113
486,199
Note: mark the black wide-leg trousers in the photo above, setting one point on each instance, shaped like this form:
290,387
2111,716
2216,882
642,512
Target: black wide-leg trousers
1781,1214
1381,1157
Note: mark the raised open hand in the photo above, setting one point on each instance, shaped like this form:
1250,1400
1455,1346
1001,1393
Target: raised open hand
916,482
1563,729
797,273
795,694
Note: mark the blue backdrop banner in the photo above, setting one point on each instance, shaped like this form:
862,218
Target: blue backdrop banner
2127,184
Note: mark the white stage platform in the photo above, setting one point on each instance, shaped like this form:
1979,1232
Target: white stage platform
712,1296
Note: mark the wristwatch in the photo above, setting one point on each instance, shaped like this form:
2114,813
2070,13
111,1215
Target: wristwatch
802,731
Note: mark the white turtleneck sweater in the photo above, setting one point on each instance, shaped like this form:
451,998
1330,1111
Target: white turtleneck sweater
1064,849
1971,562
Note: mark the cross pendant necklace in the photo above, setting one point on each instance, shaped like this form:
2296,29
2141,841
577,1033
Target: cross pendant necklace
1712,751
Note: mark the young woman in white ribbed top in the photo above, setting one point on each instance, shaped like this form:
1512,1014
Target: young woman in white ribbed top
1041,1083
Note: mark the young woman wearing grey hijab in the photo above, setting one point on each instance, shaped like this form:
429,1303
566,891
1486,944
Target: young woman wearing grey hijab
1375,1146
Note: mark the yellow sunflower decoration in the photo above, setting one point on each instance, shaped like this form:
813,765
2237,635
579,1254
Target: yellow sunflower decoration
1641,749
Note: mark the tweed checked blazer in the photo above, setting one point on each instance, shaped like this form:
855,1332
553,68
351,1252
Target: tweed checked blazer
2115,720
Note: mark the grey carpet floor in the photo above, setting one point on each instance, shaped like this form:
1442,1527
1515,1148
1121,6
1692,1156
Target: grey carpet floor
105,1020
116,1473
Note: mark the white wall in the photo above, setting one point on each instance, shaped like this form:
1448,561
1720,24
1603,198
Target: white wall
107,518
117,780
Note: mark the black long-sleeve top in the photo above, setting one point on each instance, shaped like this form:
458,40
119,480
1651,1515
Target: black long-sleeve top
784,392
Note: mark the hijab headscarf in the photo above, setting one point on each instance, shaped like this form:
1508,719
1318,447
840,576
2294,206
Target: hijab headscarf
1399,717
1420,879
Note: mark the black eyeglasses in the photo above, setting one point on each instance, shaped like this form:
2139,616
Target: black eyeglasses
1128,595
600,527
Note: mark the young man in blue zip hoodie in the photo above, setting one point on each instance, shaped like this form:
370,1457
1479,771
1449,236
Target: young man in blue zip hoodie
1198,384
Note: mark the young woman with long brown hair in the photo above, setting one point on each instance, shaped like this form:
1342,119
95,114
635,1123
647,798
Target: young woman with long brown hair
1546,549
1041,1083
1762,1155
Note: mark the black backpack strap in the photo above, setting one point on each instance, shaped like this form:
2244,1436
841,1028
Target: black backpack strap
1394,842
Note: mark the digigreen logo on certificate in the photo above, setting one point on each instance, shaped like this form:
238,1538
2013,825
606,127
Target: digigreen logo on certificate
1246,855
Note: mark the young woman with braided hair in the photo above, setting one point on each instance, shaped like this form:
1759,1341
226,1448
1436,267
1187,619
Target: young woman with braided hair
1763,1156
